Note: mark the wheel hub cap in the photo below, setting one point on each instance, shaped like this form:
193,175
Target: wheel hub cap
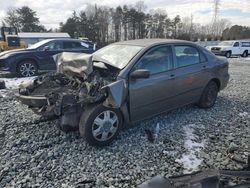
105,126
27,69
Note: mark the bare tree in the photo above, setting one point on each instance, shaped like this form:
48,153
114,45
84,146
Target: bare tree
140,6
3,24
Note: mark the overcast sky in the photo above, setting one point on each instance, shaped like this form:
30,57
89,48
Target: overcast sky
52,12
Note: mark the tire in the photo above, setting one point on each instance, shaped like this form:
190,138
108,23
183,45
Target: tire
209,95
27,68
103,116
245,54
228,54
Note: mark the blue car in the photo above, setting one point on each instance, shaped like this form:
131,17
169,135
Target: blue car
27,62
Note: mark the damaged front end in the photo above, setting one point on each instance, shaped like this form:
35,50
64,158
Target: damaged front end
76,84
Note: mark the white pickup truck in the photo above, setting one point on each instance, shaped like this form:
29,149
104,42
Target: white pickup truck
231,48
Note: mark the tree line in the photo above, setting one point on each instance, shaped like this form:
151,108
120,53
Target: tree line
24,19
103,25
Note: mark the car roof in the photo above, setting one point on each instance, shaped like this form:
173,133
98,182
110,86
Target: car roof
150,42
64,39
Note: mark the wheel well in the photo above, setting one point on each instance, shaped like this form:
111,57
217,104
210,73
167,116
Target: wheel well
245,51
217,81
30,59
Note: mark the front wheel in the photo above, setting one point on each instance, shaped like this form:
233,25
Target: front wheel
99,125
209,95
228,54
27,68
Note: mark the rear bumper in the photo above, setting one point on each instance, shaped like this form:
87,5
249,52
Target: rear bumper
32,101
224,81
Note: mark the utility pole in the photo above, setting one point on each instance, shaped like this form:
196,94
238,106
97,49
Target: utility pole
216,7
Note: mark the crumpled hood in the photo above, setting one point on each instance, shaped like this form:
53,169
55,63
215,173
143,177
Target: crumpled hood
74,64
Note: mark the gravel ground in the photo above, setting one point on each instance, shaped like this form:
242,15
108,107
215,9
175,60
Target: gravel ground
34,153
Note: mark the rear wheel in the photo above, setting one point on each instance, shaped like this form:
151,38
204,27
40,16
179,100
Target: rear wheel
245,54
228,54
27,68
2,84
209,95
99,125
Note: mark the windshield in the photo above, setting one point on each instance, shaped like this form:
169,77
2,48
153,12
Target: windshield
226,43
118,55
38,44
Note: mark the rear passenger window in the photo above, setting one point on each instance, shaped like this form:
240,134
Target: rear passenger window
188,55
157,60
245,44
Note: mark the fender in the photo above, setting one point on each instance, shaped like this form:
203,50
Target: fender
116,94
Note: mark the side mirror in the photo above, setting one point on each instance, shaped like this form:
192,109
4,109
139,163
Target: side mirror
46,48
140,73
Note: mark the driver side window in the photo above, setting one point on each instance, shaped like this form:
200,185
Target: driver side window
236,44
54,45
157,60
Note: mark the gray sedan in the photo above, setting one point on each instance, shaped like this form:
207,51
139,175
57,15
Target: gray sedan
145,78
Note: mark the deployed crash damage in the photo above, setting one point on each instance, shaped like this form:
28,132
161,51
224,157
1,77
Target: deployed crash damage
123,83
78,82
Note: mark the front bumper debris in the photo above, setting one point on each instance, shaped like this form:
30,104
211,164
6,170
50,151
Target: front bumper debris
201,179
32,101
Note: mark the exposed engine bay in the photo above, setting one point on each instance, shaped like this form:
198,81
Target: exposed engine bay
78,82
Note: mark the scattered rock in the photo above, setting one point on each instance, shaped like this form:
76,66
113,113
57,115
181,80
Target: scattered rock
34,153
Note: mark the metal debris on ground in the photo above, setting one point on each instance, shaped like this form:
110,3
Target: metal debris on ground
2,84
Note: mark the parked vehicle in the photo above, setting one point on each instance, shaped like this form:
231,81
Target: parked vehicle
27,62
232,48
126,82
9,39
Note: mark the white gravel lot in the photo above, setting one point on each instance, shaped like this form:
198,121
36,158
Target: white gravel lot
34,153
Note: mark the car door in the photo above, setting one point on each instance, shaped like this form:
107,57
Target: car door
46,52
191,74
152,95
236,50
77,46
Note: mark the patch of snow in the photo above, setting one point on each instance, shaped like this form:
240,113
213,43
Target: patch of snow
3,93
13,83
243,114
241,60
157,130
190,160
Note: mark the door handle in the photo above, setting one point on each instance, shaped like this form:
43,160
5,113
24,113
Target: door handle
172,76
204,66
